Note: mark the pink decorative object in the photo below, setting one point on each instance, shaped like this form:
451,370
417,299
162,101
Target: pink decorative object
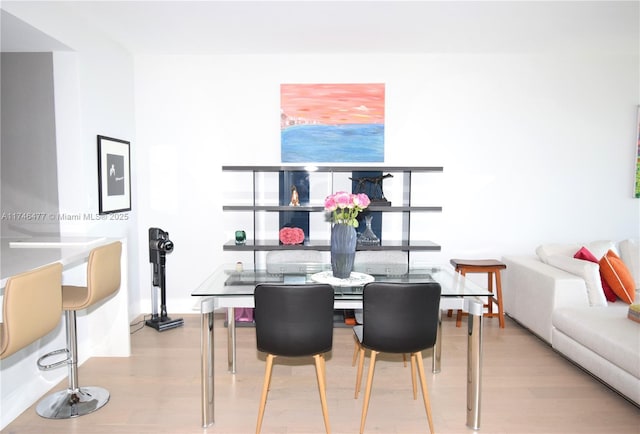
586,255
244,314
291,235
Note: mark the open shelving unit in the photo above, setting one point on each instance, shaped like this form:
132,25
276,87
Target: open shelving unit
270,193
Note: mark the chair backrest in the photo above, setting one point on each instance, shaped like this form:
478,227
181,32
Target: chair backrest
32,307
103,272
381,262
294,320
293,261
400,317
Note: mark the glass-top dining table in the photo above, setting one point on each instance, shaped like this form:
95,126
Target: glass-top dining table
229,288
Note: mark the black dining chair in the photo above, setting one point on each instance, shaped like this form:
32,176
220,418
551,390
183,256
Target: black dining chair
294,321
398,318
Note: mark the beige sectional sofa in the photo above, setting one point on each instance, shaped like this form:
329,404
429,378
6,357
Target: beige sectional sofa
556,297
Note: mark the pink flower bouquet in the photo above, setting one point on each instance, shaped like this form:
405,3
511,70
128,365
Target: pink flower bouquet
345,207
291,235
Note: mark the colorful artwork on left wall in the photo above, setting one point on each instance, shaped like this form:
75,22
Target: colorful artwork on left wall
321,123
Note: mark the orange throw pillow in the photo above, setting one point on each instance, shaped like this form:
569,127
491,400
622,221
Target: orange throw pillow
618,276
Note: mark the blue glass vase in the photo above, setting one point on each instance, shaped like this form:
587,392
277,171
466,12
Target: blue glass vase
343,250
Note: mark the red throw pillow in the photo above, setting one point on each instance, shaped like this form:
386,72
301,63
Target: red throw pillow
618,276
586,255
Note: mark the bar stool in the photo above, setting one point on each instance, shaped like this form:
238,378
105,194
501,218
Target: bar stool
103,280
492,267
31,308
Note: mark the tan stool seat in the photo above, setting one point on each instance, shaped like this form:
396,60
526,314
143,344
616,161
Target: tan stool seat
74,297
103,280
492,267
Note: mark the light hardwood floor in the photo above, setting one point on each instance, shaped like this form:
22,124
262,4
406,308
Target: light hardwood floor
527,388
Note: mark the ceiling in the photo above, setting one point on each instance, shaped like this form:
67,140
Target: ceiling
270,27
18,36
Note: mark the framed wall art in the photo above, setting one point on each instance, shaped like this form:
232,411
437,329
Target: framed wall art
332,122
114,175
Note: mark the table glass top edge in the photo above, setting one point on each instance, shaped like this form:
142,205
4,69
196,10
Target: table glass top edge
227,281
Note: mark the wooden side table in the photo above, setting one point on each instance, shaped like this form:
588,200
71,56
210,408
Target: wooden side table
492,267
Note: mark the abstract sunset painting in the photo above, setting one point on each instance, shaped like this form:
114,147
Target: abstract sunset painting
324,123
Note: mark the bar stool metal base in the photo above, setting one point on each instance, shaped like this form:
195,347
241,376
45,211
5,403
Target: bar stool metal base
72,403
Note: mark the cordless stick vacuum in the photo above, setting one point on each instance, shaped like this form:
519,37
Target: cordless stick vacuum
159,246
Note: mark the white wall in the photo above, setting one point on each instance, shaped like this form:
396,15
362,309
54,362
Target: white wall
95,97
93,86
535,147
28,146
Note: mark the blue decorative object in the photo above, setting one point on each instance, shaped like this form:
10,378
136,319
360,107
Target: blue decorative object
343,250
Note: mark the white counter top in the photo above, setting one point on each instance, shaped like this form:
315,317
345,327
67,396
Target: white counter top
56,242
18,255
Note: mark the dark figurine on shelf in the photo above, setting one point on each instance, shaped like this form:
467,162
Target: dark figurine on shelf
374,191
295,199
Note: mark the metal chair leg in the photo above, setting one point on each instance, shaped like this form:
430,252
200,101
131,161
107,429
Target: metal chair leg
74,401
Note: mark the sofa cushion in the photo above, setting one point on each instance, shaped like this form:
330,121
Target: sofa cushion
586,255
604,330
588,271
601,247
545,250
598,248
630,255
618,276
